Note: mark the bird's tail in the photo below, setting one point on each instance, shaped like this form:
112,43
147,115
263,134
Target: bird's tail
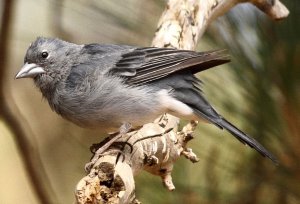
244,138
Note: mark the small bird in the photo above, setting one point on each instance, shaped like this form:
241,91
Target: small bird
109,86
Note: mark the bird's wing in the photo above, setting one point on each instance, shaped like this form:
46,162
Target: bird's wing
143,65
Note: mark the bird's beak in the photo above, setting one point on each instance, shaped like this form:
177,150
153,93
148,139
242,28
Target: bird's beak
29,71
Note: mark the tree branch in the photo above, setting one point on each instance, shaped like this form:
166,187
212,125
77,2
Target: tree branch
156,146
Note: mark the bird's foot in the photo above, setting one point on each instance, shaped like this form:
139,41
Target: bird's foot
100,148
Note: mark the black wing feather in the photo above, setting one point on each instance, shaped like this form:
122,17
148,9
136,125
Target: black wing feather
143,65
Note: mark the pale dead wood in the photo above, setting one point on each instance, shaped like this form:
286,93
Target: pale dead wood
157,146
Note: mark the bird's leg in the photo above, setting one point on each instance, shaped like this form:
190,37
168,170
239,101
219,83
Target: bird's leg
124,129
96,146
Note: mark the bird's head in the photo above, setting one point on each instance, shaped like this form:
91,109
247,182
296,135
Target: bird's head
47,61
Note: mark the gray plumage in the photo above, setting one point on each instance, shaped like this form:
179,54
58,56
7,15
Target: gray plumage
105,86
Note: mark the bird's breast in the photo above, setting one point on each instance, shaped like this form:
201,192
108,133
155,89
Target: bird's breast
107,106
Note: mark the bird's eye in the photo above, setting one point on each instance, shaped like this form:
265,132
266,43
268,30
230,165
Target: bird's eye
45,54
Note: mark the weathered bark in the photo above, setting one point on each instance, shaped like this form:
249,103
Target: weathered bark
156,146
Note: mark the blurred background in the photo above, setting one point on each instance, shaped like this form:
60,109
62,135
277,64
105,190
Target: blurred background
259,91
